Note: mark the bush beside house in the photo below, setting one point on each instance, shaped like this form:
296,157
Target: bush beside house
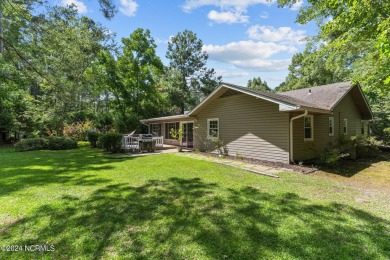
352,148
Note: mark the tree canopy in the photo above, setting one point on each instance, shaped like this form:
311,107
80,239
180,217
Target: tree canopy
189,77
352,34
311,69
131,79
257,84
43,63
61,70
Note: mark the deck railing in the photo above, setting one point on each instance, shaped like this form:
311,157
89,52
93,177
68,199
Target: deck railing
132,143
159,141
129,142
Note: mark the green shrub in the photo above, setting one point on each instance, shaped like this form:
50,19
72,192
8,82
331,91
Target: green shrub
111,142
93,138
104,142
330,157
50,143
61,143
366,146
31,144
222,149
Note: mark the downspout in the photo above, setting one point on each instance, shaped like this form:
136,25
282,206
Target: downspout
292,134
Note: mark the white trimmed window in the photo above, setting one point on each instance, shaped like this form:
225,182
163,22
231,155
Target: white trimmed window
331,126
308,128
345,127
212,127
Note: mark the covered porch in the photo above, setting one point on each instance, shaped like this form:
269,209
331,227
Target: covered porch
161,127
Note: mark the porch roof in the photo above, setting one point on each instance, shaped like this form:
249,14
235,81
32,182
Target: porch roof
165,119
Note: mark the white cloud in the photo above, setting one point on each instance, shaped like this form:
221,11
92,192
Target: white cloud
285,35
108,32
128,7
161,41
231,10
242,5
250,55
81,7
264,65
244,50
264,15
229,75
227,17
297,5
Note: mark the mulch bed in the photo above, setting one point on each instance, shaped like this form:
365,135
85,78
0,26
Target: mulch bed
294,167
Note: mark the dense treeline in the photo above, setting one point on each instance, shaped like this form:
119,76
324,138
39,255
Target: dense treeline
64,73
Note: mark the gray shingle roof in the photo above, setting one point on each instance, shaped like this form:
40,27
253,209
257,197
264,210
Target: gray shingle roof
321,97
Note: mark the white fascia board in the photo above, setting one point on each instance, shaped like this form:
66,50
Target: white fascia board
160,119
283,107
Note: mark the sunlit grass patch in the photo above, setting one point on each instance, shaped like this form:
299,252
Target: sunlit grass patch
167,206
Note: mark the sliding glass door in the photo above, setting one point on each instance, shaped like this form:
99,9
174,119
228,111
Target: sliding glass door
188,135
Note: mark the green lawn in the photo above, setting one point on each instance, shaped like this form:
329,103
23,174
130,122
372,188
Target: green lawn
172,207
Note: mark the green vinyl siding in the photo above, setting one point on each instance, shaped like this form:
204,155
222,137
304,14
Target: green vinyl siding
346,109
250,127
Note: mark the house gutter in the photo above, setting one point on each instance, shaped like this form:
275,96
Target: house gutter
292,134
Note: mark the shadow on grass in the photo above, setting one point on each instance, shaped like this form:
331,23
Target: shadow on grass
20,170
188,218
349,168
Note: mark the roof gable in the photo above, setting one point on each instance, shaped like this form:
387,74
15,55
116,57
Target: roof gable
361,103
224,88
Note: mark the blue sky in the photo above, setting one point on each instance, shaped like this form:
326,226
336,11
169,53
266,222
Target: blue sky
244,38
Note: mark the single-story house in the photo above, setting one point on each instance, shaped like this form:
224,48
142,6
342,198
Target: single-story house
284,127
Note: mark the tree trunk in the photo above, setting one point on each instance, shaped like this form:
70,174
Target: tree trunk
185,92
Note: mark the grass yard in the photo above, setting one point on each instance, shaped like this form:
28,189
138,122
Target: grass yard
173,207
